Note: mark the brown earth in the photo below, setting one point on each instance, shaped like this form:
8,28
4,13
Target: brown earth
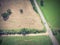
28,19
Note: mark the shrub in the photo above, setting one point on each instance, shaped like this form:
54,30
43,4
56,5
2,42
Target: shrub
34,7
42,3
6,14
34,31
21,10
0,41
1,32
24,31
54,32
38,31
10,32
29,31
9,11
59,31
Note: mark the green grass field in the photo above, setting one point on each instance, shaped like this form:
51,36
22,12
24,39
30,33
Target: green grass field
51,11
26,40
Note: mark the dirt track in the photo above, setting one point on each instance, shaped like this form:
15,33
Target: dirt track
28,19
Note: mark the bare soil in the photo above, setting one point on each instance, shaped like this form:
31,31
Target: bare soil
28,19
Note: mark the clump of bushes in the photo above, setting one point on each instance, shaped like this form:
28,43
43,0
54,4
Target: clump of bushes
6,32
0,40
42,2
23,31
6,15
21,10
9,11
34,7
59,31
55,32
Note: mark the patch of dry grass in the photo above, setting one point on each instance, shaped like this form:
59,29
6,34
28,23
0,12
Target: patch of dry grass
28,19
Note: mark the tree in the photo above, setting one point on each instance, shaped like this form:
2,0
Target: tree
42,2
24,31
9,11
6,15
21,10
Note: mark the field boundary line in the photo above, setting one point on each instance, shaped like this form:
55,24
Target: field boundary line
38,34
